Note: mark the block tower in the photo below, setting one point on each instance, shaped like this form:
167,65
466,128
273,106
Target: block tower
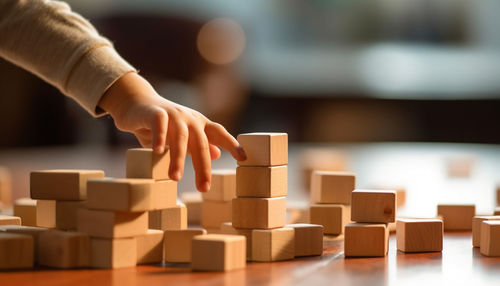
216,205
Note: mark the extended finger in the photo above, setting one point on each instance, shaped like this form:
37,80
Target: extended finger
200,153
219,136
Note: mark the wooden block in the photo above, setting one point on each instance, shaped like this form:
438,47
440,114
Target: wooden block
261,182
419,235
5,187
223,187
264,149
9,220
25,208
64,185
67,214
213,213
457,217
496,211
131,195
113,253
330,187
192,200
261,213
177,244
144,163
169,219
46,213
150,247
297,215
317,159
377,206
498,195
490,238
227,228
273,244
308,239
400,197
63,249
27,230
476,228
16,251
110,224
218,252
332,217
460,167
366,240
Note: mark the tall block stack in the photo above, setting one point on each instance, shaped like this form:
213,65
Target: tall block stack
216,206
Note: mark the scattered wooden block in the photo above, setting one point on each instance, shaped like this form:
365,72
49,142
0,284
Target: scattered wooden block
64,185
63,249
150,247
490,238
496,211
9,220
460,167
109,224
273,244
366,239
218,252
476,228
144,163
419,235
192,201
264,149
321,160
227,228
67,214
33,231
330,187
297,214
400,197
46,213
25,208
457,217
214,213
16,251
169,219
223,187
5,187
113,253
373,206
498,195
308,239
261,213
332,217
177,244
261,182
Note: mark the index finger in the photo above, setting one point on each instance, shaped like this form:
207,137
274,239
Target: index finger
218,135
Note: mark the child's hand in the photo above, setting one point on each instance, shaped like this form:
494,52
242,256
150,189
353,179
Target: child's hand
137,108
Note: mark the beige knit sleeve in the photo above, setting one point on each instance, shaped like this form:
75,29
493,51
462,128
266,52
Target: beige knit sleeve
48,39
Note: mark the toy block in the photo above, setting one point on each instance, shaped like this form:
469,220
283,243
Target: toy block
261,213
218,252
214,213
192,201
264,149
170,218
366,239
476,228
460,167
223,187
46,213
273,244
9,220
308,239
496,211
110,224
150,247
227,228
25,208
64,185
144,163
131,195
261,182
457,217
332,217
419,235
113,253
490,238
63,249
5,187
400,197
321,160
498,195
67,214
177,244
28,230
297,212
16,251
332,187
373,206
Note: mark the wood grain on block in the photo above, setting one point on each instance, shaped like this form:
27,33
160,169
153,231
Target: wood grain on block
144,163
28,230
113,252
366,239
218,252
63,249
192,201
67,213
5,187
419,235
177,244
261,213
150,247
227,228
110,224
214,213
261,182
333,217
490,238
25,208
273,244
16,251
46,213
457,217
65,185
223,186
10,220
264,149
329,187
476,228
377,206
308,239
131,195
170,218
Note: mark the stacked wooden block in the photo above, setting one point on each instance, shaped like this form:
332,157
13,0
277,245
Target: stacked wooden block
5,188
486,234
216,206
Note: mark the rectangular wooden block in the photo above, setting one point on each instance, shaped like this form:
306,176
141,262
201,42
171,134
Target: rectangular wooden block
262,182
9,220
214,213
146,164
264,149
400,197
227,228
366,240
177,244
25,208
490,238
218,252
333,217
5,187
131,195
109,224
113,253
376,206
419,235
46,213
192,201
16,251
329,187
273,244
169,219
496,211
150,247
65,185
67,214
308,239
261,213
63,249
28,230
457,217
223,187
476,228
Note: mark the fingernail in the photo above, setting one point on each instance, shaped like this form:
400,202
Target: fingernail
241,153
160,149
205,187
176,176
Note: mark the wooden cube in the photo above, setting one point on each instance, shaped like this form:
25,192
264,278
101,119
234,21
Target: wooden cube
46,213
214,213
223,187
16,251
109,224
476,228
67,214
177,244
496,211
150,247
5,187
9,220
366,240
218,252
332,217
419,235
490,238
27,230
377,206
261,182
457,217
131,195
308,239
264,149
25,208
227,228
192,201
144,163
319,159
113,253
261,213
273,244
63,249
64,185
328,187
169,219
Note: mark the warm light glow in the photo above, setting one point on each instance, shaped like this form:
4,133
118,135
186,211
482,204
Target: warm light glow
221,41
